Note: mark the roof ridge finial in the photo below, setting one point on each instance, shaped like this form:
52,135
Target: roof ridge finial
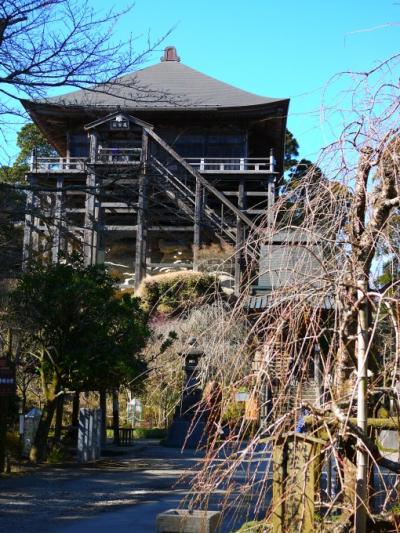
170,54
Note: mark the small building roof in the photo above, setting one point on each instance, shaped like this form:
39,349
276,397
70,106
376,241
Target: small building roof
166,85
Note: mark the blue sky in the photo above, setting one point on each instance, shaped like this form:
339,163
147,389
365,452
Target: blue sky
280,49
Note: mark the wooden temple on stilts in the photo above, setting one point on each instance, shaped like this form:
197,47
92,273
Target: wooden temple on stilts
152,169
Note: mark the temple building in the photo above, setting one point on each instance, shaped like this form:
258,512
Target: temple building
153,169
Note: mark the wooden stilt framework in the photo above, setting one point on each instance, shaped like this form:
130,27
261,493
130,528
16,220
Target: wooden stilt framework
148,171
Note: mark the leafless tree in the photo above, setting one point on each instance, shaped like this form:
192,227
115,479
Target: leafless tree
328,309
47,44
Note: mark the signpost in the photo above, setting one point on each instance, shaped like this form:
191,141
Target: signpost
7,391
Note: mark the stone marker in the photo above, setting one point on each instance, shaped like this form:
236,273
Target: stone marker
184,521
89,435
31,424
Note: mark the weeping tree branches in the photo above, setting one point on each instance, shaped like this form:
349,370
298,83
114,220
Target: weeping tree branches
315,335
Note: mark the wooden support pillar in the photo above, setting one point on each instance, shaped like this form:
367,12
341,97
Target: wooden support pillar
271,198
27,243
239,237
31,236
198,211
89,234
99,225
59,418
103,407
142,222
59,220
89,241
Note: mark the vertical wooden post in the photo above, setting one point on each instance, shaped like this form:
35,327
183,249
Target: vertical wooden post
59,221
31,235
239,237
271,198
141,226
99,225
27,242
88,233
103,407
59,418
89,241
198,209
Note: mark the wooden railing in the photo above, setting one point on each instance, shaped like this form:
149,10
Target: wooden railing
204,165
118,155
126,436
233,165
58,164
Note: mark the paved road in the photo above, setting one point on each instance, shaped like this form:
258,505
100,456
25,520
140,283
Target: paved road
121,494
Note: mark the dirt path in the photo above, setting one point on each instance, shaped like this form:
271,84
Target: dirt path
56,497
121,494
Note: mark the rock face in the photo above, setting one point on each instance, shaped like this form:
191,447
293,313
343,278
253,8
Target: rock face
184,521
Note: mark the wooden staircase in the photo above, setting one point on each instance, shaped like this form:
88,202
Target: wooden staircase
180,181
184,198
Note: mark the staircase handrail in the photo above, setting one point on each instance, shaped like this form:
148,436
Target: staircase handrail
210,213
206,184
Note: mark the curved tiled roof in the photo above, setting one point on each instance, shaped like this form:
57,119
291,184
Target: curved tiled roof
166,85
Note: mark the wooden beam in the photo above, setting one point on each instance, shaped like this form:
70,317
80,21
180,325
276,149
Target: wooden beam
271,198
59,220
248,193
89,237
239,238
198,210
99,226
29,222
142,222
89,242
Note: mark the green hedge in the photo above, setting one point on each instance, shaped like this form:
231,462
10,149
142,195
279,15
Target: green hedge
151,433
176,291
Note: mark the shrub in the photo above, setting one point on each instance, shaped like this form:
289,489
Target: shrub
58,454
175,291
151,433
14,445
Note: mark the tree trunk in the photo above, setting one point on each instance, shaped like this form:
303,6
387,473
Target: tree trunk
59,418
115,400
75,410
103,407
362,367
38,451
3,432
